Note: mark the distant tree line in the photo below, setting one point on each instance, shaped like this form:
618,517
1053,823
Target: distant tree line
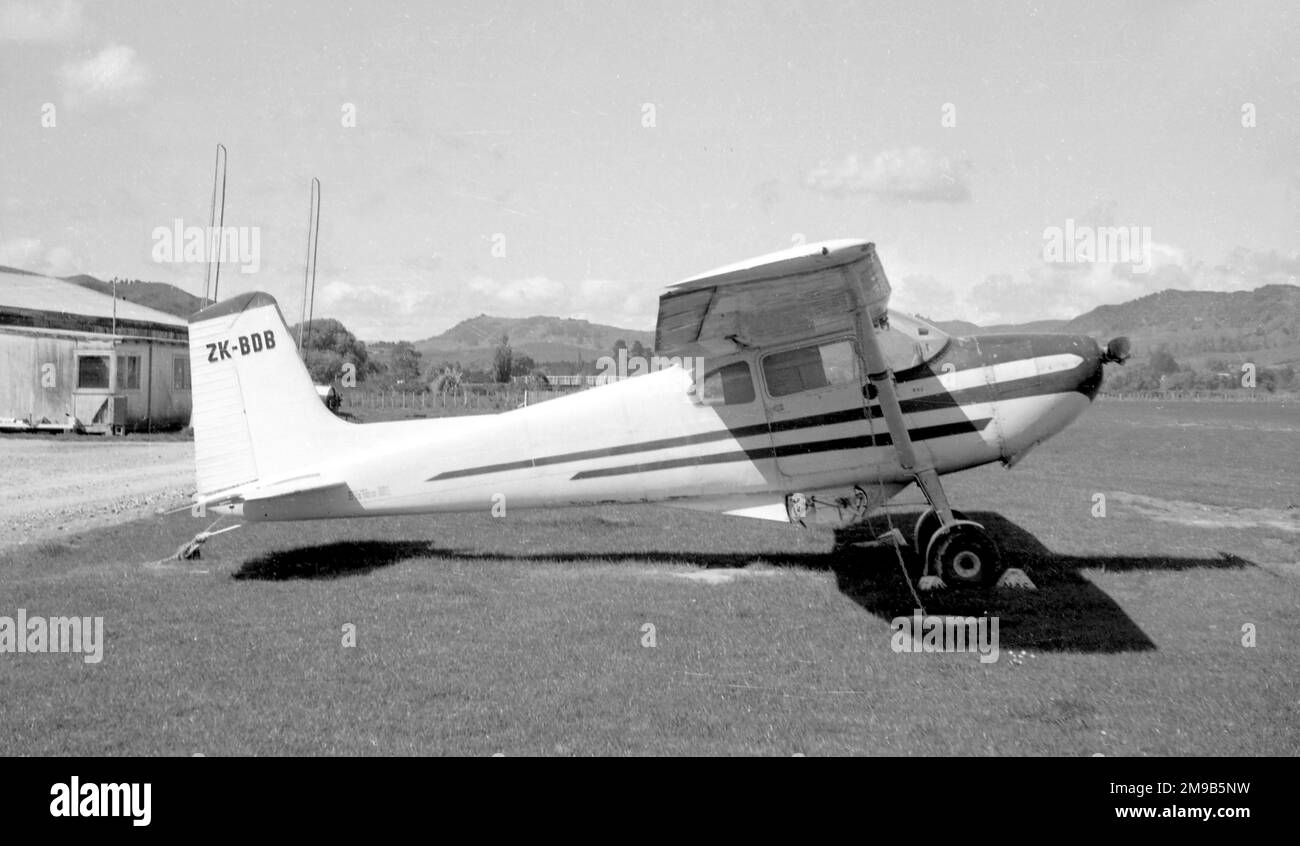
508,364
1162,372
328,346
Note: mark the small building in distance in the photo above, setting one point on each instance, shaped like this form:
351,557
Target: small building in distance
67,362
579,381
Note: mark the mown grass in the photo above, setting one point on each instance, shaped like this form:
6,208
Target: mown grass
523,635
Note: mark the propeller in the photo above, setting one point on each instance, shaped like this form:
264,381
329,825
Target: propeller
1117,350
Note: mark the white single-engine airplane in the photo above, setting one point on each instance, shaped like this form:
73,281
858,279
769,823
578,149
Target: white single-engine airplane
815,403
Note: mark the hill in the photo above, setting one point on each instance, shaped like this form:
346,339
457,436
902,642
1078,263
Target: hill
544,339
1196,311
18,270
964,327
160,295
1199,328
1262,325
1213,330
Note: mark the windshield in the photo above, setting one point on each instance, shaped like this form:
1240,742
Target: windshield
910,341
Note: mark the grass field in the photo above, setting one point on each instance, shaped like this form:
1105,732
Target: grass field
524,635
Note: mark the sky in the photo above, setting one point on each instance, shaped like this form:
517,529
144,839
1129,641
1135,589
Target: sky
573,158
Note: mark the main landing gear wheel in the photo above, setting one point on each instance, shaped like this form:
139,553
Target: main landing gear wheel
964,554
926,525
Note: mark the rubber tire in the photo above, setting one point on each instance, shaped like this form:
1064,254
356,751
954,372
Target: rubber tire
928,523
964,555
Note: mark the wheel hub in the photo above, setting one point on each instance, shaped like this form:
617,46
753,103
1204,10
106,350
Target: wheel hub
966,564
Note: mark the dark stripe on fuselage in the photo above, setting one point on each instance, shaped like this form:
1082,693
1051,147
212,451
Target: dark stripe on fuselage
923,433
832,418
642,446
1052,383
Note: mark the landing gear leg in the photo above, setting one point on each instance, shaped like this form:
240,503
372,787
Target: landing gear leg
959,550
951,547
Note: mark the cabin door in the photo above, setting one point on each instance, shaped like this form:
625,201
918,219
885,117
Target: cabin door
813,396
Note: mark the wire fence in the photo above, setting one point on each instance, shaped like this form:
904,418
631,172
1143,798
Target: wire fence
472,398
506,397
1201,396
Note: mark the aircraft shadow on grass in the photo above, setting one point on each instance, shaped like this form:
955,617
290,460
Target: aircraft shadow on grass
331,560
1067,613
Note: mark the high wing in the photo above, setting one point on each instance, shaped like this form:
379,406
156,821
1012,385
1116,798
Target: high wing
796,293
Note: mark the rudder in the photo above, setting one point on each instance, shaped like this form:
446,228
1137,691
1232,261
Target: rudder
256,415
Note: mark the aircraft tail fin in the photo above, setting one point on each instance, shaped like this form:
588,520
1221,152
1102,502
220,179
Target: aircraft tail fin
256,414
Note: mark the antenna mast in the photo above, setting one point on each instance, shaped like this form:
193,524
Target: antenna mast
217,219
309,271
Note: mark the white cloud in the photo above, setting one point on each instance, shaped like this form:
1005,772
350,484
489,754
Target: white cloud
1272,267
36,21
31,254
518,298
113,73
22,253
60,261
914,174
1062,291
921,294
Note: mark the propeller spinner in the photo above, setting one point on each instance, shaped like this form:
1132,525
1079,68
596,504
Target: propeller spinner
1117,350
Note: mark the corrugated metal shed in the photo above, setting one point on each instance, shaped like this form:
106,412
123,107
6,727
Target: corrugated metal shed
65,361
25,294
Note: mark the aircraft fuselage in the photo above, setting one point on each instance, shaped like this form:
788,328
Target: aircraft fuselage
657,437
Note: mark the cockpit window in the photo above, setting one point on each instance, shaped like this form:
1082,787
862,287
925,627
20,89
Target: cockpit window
810,368
905,341
730,385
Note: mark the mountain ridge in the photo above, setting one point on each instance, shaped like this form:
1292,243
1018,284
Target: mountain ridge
1198,325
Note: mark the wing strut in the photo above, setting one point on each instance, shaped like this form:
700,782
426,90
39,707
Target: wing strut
957,534
881,378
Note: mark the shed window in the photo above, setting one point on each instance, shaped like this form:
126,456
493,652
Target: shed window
181,373
128,372
92,371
